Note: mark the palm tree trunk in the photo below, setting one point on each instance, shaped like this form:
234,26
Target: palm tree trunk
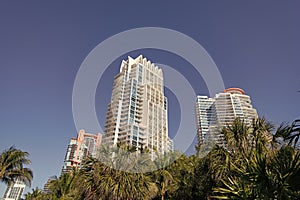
163,191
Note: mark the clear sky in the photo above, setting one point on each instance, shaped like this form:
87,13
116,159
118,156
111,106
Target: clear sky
255,45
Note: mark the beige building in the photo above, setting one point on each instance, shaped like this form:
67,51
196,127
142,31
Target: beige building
215,113
137,113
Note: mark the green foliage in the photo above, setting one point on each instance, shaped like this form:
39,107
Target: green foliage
254,164
289,133
99,181
36,194
258,170
12,166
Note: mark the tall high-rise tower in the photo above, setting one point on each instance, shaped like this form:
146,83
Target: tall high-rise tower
137,113
215,113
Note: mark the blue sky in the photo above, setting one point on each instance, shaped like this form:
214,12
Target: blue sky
255,45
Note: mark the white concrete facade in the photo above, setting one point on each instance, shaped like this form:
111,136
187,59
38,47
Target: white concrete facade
214,113
14,191
137,113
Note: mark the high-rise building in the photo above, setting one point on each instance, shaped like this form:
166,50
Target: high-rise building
171,144
47,184
214,113
137,114
14,191
86,144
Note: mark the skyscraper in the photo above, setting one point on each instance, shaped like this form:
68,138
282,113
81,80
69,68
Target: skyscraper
215,113
14,191
47,188
205,117
137,113
86,144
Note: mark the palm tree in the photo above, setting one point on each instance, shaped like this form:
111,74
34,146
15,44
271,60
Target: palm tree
12,167
36,194
162,176
248,176
219,163
90,179
186,173
241,137
289,133
267,173
64,187
264,177
285,167
114,179
236,135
